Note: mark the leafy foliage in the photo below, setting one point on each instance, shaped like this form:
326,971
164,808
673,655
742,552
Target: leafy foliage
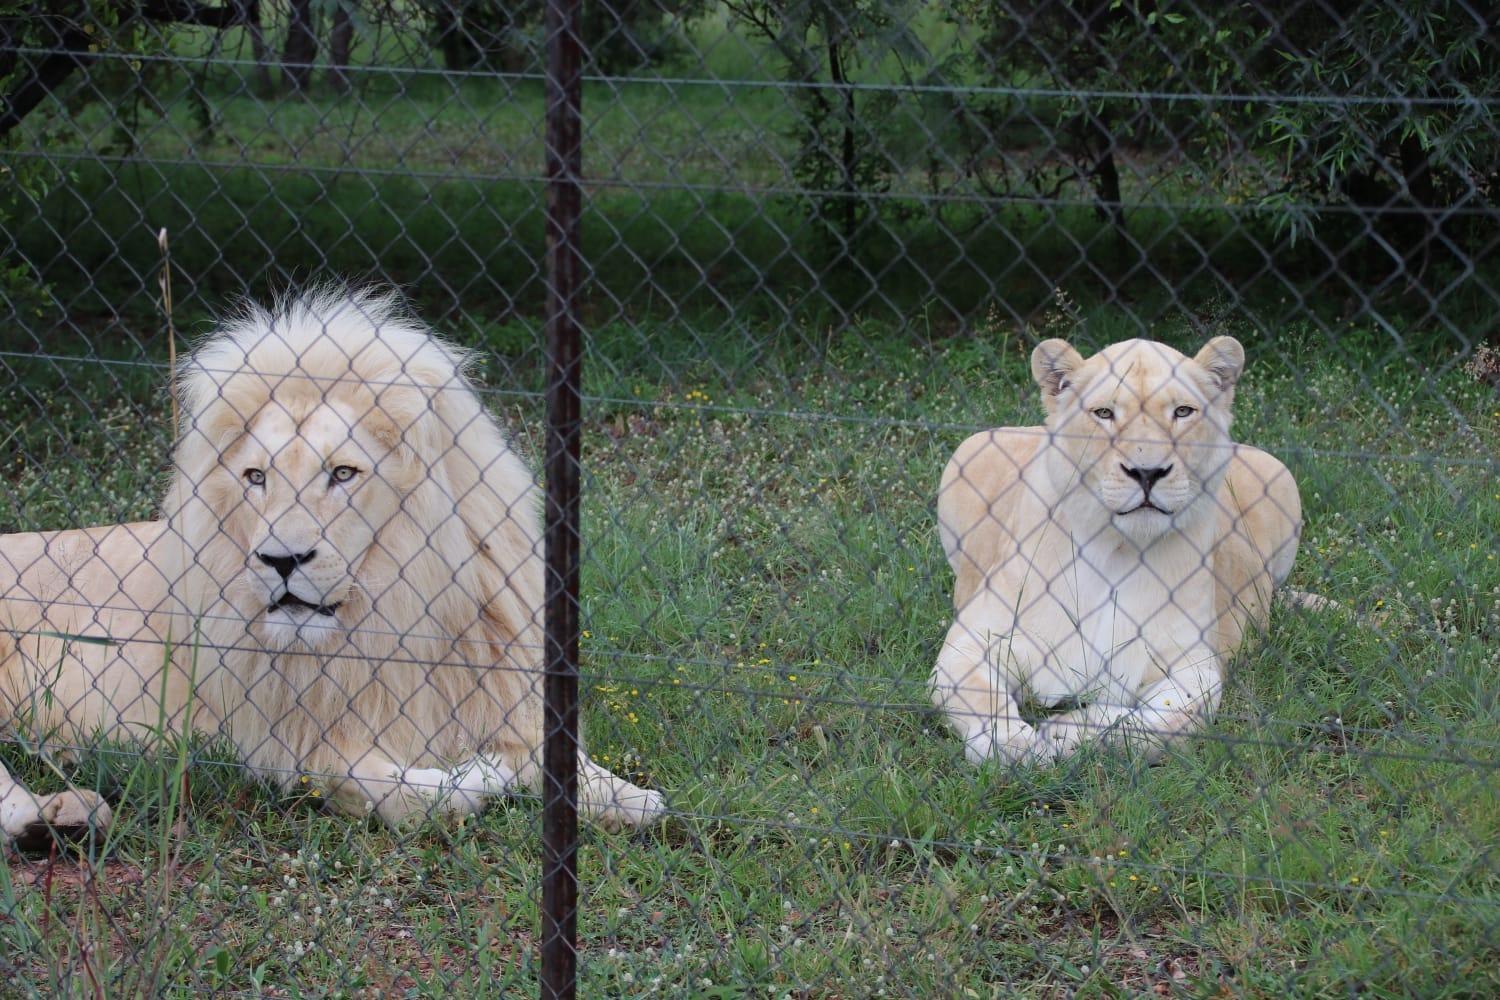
620,35
1299,110
1422,134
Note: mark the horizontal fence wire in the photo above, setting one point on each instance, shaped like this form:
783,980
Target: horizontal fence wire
676,82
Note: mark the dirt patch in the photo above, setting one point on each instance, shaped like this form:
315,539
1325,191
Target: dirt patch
64,874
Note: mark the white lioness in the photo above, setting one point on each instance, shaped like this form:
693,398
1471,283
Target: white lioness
1112,558
347,581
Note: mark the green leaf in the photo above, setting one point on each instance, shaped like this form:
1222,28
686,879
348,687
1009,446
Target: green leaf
93,640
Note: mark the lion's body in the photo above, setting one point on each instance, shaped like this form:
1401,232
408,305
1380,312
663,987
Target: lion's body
380,633
1060,597
101,585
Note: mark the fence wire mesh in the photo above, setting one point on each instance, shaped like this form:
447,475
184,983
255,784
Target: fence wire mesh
926,634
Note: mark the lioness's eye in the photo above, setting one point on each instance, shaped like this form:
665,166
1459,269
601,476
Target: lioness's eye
1104,413
1183,412
255,477
344,473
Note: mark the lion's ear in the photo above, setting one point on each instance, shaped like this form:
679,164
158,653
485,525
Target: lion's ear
1224,359
1051,363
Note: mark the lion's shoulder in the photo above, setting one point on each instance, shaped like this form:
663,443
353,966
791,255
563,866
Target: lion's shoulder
984,468
1006,449
979,491
1260,517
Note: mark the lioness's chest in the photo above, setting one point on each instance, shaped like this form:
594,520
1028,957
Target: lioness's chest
1103,624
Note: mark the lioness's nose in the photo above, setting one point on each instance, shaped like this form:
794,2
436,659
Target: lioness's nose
1147,477
285,564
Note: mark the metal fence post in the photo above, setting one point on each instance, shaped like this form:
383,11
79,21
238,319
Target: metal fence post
560,760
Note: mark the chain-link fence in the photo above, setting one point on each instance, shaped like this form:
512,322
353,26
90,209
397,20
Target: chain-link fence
926,632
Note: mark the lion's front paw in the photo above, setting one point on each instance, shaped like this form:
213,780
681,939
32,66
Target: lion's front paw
402,808
979,747
434,793
76,809
69,815
630,805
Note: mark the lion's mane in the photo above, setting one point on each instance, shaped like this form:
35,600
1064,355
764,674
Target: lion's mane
442,657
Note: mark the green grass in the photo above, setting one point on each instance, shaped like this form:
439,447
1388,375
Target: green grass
764,594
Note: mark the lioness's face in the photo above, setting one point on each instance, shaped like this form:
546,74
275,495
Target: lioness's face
307,494
1145,429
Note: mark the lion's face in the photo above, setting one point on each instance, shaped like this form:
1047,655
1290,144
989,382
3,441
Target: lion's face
304,494
1144,430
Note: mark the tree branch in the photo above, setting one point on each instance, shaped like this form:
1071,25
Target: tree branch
53,69
49,73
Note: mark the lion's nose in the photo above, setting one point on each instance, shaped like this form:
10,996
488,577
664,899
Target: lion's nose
285,564
1146,477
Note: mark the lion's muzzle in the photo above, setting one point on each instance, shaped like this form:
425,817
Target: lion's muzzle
291,600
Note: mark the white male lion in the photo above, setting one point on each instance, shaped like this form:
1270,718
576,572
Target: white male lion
347,581
1112,558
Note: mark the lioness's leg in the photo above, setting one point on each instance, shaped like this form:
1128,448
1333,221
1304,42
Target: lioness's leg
1180,704
24,815
1164,711
970,685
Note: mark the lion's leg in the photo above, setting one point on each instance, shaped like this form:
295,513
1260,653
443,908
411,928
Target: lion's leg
466,787
24,816
603,796
1179,704
398,794
1164,711
610,800
970,686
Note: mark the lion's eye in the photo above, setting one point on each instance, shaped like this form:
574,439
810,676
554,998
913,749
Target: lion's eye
1183,412
344,473
1104,413
255,477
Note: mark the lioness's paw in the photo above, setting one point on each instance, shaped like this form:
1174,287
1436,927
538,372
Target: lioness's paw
432,792
1057,740
407,798
979,747
1019,745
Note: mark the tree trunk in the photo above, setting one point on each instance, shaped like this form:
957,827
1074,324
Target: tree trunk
340,39
301,48
1420,230
250,12
848,164
70,48
448,28
47,75
1107,186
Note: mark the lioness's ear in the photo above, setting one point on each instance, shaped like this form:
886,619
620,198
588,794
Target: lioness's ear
1224,359
1051,364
